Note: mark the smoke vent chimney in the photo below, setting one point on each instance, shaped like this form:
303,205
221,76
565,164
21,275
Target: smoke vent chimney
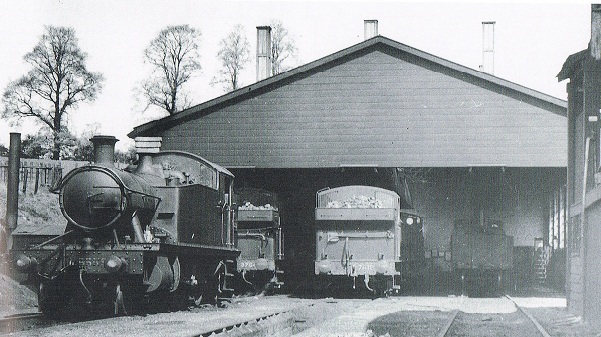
488,47
104,150
263,52
148,145
370,28
595,44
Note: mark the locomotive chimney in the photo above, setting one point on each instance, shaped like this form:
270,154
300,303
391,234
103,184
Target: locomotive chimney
104,150
263,52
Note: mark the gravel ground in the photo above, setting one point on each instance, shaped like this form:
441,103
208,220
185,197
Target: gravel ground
15,298
186,323
422,315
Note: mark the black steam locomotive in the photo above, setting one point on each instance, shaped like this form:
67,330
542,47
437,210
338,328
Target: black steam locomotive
160,230
365,240
259,238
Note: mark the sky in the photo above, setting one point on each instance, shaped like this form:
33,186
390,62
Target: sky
531,42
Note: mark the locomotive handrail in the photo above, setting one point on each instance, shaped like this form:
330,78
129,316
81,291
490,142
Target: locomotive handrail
52,239
317,195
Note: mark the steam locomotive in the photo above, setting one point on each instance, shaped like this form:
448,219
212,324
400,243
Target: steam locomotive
364,239
259,238
160,232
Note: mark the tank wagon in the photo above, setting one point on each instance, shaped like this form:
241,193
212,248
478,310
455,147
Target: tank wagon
481,256
158,233
259,239
360,239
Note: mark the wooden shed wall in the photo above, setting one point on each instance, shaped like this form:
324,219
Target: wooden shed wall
383,108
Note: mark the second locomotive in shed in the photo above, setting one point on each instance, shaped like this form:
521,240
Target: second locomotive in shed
259,239
364,239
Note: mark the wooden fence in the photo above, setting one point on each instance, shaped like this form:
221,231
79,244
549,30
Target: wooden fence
37,173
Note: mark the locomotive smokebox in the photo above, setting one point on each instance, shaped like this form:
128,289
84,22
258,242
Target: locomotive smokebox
104,150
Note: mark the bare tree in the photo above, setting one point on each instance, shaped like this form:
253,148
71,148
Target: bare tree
57,82
234,55
282,47
174,54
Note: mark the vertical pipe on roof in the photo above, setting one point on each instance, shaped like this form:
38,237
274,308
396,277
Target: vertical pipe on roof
488,47
370,29
263,52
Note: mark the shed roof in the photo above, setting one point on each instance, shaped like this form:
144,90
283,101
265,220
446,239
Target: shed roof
377,103
281,79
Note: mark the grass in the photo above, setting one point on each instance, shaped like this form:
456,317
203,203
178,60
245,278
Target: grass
35,210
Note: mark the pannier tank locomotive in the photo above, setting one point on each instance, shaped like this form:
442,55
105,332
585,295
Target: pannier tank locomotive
160,230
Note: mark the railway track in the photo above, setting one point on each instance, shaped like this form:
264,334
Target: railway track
519,324
276,323
472,318
19,322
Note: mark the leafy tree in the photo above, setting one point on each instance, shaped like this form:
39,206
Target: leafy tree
283,47
174,55
4,150
37,146
234,55
56,83
127,157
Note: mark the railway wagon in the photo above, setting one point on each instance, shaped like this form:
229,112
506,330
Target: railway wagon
482,257
259,239
160,233
359,238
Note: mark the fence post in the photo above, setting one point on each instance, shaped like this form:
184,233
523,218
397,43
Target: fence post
25,174
12,191
37,180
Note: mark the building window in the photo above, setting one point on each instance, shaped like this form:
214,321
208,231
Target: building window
557,219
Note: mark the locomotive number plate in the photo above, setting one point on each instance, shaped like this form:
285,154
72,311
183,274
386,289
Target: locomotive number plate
91,263
246,265
364,268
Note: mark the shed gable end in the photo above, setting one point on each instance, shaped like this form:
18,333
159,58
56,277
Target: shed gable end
383,108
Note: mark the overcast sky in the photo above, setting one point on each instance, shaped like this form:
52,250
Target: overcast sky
531,41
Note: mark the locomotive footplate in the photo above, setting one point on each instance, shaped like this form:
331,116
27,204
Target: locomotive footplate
102,260
204,250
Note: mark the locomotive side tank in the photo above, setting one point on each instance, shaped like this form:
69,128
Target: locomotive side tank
160,231
259,239
359,236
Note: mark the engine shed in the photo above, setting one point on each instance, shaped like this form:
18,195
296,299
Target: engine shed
457,144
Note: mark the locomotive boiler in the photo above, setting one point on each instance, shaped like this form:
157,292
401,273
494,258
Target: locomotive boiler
259,239
158,233
364,239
